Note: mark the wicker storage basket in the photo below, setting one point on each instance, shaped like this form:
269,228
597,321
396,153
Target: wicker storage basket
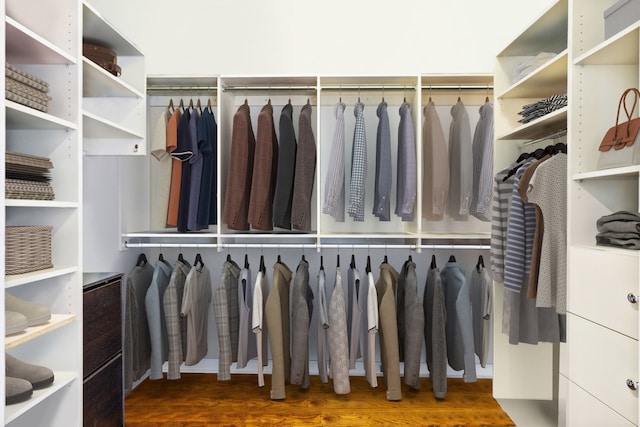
27,248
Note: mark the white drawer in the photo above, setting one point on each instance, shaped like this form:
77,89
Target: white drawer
601,361
598,415
600,281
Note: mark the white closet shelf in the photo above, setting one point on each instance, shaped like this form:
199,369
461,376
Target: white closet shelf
96,28
57,321
610,249
548,79
547,32
98,82
23,203
100,128
539,128
620,49
605,173
61,379
19,116
26,47
35,276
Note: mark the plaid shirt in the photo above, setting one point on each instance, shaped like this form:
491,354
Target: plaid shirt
358,166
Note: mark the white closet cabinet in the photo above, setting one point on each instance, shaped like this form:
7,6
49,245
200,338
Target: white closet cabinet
599,368
526,371
49,49
113,108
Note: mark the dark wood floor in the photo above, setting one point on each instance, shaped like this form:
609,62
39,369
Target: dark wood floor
201,400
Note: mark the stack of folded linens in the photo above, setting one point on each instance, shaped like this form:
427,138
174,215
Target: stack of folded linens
27,177
26,89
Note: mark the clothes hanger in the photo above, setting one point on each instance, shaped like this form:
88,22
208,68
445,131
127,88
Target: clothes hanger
199,106
171,108
228,257
263,269
246,261
181,258
198,260
452,258
303,258
181,105
353,261
142,260
160,257
321,263
338,262
368,267
279,259
386,260
209,105
480,263
433,261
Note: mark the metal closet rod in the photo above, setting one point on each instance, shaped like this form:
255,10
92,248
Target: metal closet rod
457,87
355,88
278,88
178,89
302,246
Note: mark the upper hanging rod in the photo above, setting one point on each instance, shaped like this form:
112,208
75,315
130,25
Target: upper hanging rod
544,138
352,87
457,87
304,246
182,89
270,88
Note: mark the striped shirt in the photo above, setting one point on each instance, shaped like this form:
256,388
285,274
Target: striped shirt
334,183
500,214
482,164
520,231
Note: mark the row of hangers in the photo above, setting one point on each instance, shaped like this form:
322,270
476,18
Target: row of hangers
198,105
198,263
553,149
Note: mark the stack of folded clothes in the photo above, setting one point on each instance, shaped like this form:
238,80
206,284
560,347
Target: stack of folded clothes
26,89
529,64
620,229
27,177
543,107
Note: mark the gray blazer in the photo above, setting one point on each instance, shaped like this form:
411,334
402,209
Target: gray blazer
305,173
411,312
302,309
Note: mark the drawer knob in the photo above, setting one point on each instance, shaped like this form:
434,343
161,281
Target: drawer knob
632,298
632,384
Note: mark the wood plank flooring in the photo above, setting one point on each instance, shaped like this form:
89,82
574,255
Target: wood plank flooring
201,400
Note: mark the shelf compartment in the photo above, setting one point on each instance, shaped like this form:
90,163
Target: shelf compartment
100,128
621,49
57,321
98,29
97,82
36,276
607,173
539,128
61,379
23,46
548,79
21,117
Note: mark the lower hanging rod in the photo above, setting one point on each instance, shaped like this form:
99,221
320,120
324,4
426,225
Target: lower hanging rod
303,246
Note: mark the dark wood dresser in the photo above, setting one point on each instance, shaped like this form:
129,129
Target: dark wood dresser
103,398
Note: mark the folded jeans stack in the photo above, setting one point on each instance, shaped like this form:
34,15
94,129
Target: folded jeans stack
620,229
22,378
542,108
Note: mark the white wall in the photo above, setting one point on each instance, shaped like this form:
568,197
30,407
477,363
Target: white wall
352,37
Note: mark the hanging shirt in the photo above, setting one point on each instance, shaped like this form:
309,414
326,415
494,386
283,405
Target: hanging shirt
386,288
183,153
358,166
260,292
283,196
265,170
435,178
225,308
305,173
155,316
239,174
354,314
323,325
176,324
208,147
481,302
160,173
301,312
176,168
334,182
196,165
382,189
195,306
499,220
406,189
338,339
482,148
412,315
460,163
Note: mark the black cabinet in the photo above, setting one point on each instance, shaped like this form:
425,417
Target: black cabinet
103,398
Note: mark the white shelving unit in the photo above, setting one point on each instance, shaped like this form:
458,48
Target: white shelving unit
50,50
600,312
113,107
528,373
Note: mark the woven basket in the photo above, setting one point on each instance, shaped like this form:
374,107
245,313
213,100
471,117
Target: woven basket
27,248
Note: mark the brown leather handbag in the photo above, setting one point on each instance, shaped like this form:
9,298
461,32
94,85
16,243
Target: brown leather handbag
618,147
103,56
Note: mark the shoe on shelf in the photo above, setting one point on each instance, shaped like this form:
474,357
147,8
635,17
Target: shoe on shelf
14,322
17,390
34,312
38,376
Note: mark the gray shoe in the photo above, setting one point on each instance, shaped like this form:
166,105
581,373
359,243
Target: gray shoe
34,312
38,376
14,322
17,390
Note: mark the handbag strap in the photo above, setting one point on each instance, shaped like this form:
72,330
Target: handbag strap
623,103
